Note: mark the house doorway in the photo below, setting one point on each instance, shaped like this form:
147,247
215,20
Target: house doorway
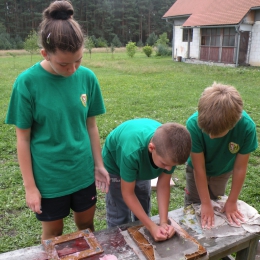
243,47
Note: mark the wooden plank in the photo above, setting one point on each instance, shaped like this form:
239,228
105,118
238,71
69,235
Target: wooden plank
74,246
180,245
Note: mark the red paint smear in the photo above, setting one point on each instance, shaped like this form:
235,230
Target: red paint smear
72,246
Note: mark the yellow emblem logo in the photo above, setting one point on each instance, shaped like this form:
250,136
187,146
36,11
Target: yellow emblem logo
233,148
84,99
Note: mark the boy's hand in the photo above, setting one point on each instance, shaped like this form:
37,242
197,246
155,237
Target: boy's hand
102,179
232,213
33,199
207,216
169,229
158,233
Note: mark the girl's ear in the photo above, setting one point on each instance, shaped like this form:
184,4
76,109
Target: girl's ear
151,147
44,54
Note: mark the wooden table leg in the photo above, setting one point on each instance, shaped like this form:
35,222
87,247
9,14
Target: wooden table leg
249,252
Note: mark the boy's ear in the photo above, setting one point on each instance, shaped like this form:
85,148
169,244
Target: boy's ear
151,147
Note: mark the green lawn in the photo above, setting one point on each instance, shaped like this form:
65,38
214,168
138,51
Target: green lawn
154,87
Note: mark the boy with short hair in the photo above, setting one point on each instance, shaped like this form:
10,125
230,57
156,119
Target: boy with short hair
223,136
135,152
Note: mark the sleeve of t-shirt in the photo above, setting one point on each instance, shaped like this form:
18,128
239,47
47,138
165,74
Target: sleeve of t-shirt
96,102
196,135
127,170
250,142
20,106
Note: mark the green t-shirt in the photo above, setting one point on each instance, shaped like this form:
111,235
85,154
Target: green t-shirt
126,154
220,153
56,109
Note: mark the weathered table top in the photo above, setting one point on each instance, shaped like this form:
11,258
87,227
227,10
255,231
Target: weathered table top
113,242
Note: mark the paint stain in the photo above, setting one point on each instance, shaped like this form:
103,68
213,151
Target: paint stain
72,246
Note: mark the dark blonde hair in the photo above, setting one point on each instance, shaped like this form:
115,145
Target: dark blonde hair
220,108
58,29
173,141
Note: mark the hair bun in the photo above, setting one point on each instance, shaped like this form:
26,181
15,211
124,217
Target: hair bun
61,15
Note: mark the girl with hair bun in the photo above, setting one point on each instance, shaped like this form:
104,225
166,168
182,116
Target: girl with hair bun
53,106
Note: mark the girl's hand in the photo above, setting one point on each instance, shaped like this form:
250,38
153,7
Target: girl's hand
33,199
102,179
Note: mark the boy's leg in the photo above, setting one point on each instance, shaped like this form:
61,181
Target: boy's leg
117,211
217,185
191,192
143,193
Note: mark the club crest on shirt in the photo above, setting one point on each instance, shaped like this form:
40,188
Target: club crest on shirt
83,99
233,147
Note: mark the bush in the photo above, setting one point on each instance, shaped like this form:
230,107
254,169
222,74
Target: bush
131,49
163,40
5,42
163,50
101,42
140,44
116,42
148,50
151,40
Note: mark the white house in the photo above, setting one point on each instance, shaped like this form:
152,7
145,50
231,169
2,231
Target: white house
226,31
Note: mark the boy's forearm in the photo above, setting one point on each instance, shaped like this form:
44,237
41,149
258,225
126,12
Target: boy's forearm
163,198
238,176
134,205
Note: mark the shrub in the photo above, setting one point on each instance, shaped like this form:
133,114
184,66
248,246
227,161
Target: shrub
101,42
131,49
148,50
163,40
163,50
151,40
140,44
116,42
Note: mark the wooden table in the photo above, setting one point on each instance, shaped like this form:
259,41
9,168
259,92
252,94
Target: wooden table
112,241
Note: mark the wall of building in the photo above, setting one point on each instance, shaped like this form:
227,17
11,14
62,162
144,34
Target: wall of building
181,48
254,54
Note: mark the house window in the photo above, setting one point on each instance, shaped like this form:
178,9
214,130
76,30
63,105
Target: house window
187,35
229,37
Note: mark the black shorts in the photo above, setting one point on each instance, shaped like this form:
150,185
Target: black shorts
59,208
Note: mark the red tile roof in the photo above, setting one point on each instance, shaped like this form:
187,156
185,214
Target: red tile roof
211,12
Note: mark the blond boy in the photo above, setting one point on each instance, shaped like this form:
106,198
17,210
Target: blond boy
223,136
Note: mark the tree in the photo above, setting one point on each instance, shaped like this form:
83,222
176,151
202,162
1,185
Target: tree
89,45
31,43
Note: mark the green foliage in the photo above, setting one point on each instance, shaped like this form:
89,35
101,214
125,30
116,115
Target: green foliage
116,42
131,49
151,40
5,41
163,40
89,45
148,50
101,42
140,44
163,50
31,43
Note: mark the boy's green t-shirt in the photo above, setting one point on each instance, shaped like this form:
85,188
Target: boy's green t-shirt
125,152
56,109
220,153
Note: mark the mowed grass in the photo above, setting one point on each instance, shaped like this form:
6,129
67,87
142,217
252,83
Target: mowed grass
154,87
